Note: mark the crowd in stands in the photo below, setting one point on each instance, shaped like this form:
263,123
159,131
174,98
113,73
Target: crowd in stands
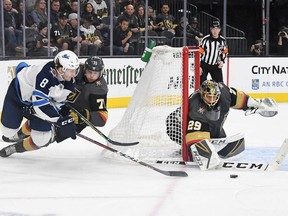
94,33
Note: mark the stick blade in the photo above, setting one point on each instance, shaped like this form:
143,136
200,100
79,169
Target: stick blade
113,142
178,173
174,173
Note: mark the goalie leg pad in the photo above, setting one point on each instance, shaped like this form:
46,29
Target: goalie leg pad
205,155
233,148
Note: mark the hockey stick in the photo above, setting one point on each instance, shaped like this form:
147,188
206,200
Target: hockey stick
273,165
164,172
235,165
98,131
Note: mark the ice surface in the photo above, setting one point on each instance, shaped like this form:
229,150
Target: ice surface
73,179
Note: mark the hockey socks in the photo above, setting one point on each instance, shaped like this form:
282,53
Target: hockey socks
23,132
24,145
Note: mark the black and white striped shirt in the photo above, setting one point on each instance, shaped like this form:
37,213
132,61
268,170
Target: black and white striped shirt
213,50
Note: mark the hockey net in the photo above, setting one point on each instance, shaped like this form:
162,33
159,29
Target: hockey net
165,84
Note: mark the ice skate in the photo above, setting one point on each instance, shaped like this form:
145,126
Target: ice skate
16,138
7,151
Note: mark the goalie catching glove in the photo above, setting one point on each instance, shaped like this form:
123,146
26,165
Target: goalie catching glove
77,118
266,107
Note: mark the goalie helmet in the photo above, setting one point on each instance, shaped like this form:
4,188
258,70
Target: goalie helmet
67,60
94,63
210,92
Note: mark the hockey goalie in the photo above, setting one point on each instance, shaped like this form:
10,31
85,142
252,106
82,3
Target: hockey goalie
207,112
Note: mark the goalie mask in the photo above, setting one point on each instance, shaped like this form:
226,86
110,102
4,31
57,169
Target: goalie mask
95,64
210,94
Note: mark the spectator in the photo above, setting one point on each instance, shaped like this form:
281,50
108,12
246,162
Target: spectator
197,34
61,32
100,8
89,11
257,49
151,19
30,5
122,35
93,37
214,51
65,6
137,4
40,46
73,21
13,33
39,13
141,17
165,21
125,3
29,22
82,4
133,22
191,34
117,7
55,11
73,7
283,41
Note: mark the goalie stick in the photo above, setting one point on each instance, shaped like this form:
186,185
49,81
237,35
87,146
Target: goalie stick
272,166
225,165
98,131
164,172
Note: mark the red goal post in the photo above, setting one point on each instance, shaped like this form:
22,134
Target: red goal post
185,89
168,79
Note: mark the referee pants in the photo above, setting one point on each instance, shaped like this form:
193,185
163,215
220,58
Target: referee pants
215,72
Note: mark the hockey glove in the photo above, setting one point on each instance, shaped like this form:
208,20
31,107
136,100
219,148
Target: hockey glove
64,110
65,128
28,111
77,118
266,107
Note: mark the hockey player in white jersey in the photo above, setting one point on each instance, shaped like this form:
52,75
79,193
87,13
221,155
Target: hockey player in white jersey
37,93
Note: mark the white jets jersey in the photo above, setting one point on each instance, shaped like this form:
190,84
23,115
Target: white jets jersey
40,88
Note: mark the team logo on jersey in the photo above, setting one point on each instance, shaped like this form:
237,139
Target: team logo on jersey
201,110
255,84
53,72
73,95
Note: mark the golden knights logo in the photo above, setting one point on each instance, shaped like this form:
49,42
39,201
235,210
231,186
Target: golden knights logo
92,38
73,95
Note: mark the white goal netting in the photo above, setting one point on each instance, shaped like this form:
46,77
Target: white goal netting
158,93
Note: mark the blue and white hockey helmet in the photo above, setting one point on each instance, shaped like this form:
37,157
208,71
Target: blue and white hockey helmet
67,60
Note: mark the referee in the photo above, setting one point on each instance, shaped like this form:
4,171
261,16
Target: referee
214,51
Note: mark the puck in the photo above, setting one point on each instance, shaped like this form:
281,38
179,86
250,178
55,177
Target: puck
233,176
